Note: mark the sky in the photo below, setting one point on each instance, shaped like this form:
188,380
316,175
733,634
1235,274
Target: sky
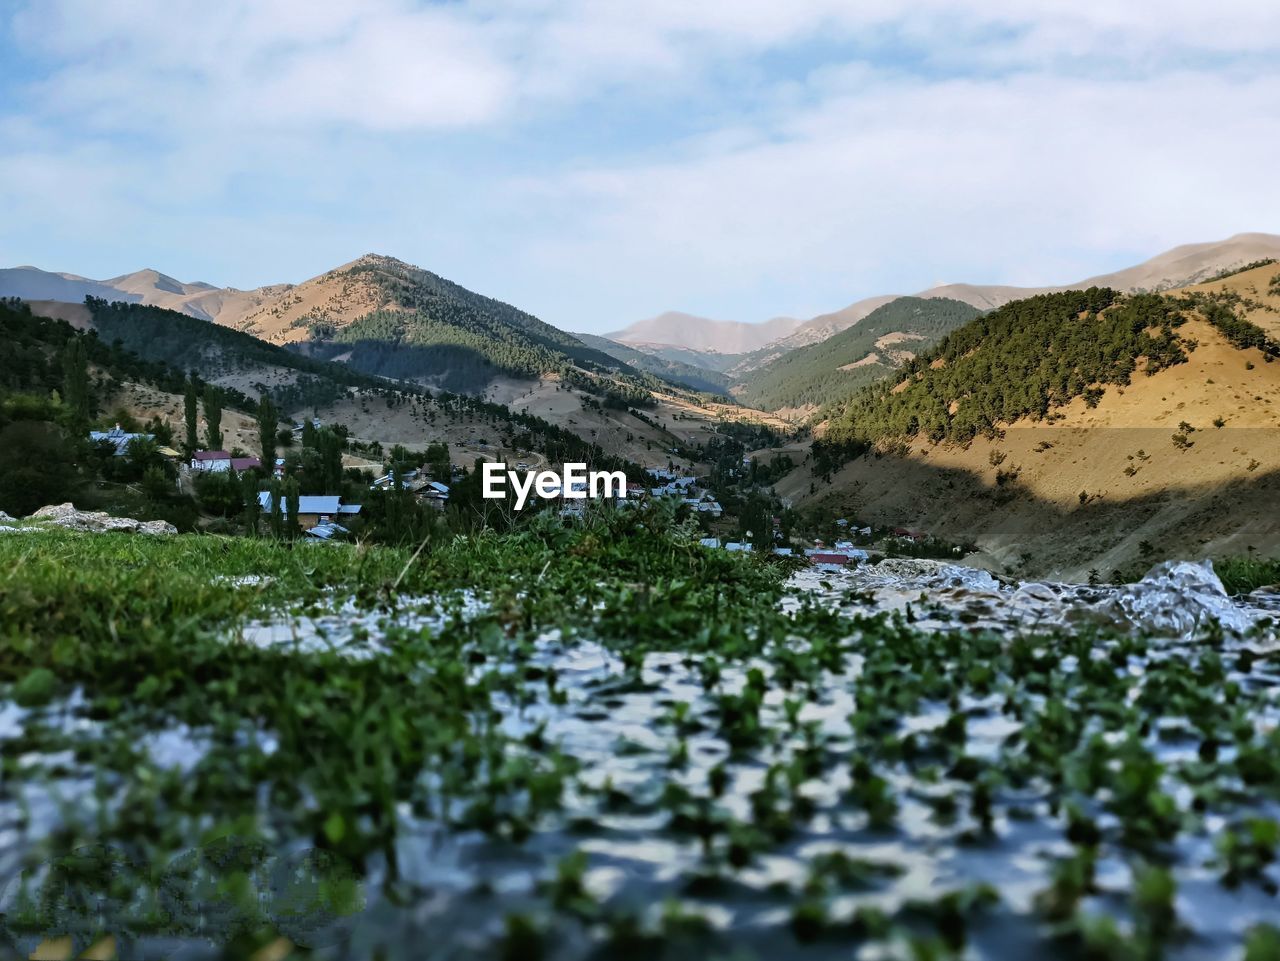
599,161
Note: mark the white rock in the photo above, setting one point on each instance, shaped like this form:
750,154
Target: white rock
66,516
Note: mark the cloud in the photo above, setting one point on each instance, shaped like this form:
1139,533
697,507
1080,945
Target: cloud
596,160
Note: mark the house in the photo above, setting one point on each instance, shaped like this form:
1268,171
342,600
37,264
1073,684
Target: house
837,556
117,438
434,490
827,557
314,510
239,464
211,460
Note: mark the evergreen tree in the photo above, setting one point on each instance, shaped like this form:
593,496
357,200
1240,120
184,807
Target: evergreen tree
212,418
268,420
291,496
252,507
75,384
192,413
277,510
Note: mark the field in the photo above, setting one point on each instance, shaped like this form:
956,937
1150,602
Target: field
604,742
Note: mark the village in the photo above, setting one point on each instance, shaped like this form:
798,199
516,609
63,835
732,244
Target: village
333,516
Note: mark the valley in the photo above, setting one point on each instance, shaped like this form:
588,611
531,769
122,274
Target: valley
1168,448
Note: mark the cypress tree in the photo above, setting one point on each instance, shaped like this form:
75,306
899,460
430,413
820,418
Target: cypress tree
268,420
252,508
192,413
212,418
75,383
277,510
291,490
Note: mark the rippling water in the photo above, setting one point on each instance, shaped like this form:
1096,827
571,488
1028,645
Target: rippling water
666,783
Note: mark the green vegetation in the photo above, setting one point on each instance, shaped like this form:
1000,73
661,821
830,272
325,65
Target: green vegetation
599,741
1232,271
1021,360
1220,310
185,343
1240,575
813,374
434,329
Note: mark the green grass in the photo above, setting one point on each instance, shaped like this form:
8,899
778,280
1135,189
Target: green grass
738,738
1240,575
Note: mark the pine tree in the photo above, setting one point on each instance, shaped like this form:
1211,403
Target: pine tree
192,413
212,418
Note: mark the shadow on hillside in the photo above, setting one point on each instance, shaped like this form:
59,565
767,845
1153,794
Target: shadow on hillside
1176,516
461,370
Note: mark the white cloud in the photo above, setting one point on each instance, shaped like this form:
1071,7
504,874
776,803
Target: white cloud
594,159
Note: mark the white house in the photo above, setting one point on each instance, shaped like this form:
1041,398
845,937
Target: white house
211,460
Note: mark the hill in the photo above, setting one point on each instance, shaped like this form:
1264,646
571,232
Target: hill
814,375
376,411
1130,428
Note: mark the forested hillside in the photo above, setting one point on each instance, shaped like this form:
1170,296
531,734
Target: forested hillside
1021,360
431,329
862,354
183,342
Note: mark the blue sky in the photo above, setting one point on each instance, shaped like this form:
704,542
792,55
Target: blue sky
599,161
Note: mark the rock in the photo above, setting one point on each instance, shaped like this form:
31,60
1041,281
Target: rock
66,516
6,519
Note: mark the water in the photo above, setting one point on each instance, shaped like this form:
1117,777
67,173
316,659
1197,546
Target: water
713,813
1176,600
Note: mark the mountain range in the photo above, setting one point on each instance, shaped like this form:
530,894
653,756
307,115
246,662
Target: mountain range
387,318
1187,264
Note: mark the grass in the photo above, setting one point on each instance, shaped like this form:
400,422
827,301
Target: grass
1240,575
622,807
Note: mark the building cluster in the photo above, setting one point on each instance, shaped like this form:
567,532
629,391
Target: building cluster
221,461
319,515
417,483
664,482
842,554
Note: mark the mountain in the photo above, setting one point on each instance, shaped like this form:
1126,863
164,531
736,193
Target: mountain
873,348
1188,264
675,329
1135,426
32,283
145,353
376,314
196,299
674,371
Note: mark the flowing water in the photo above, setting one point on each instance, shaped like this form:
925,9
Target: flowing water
725,809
